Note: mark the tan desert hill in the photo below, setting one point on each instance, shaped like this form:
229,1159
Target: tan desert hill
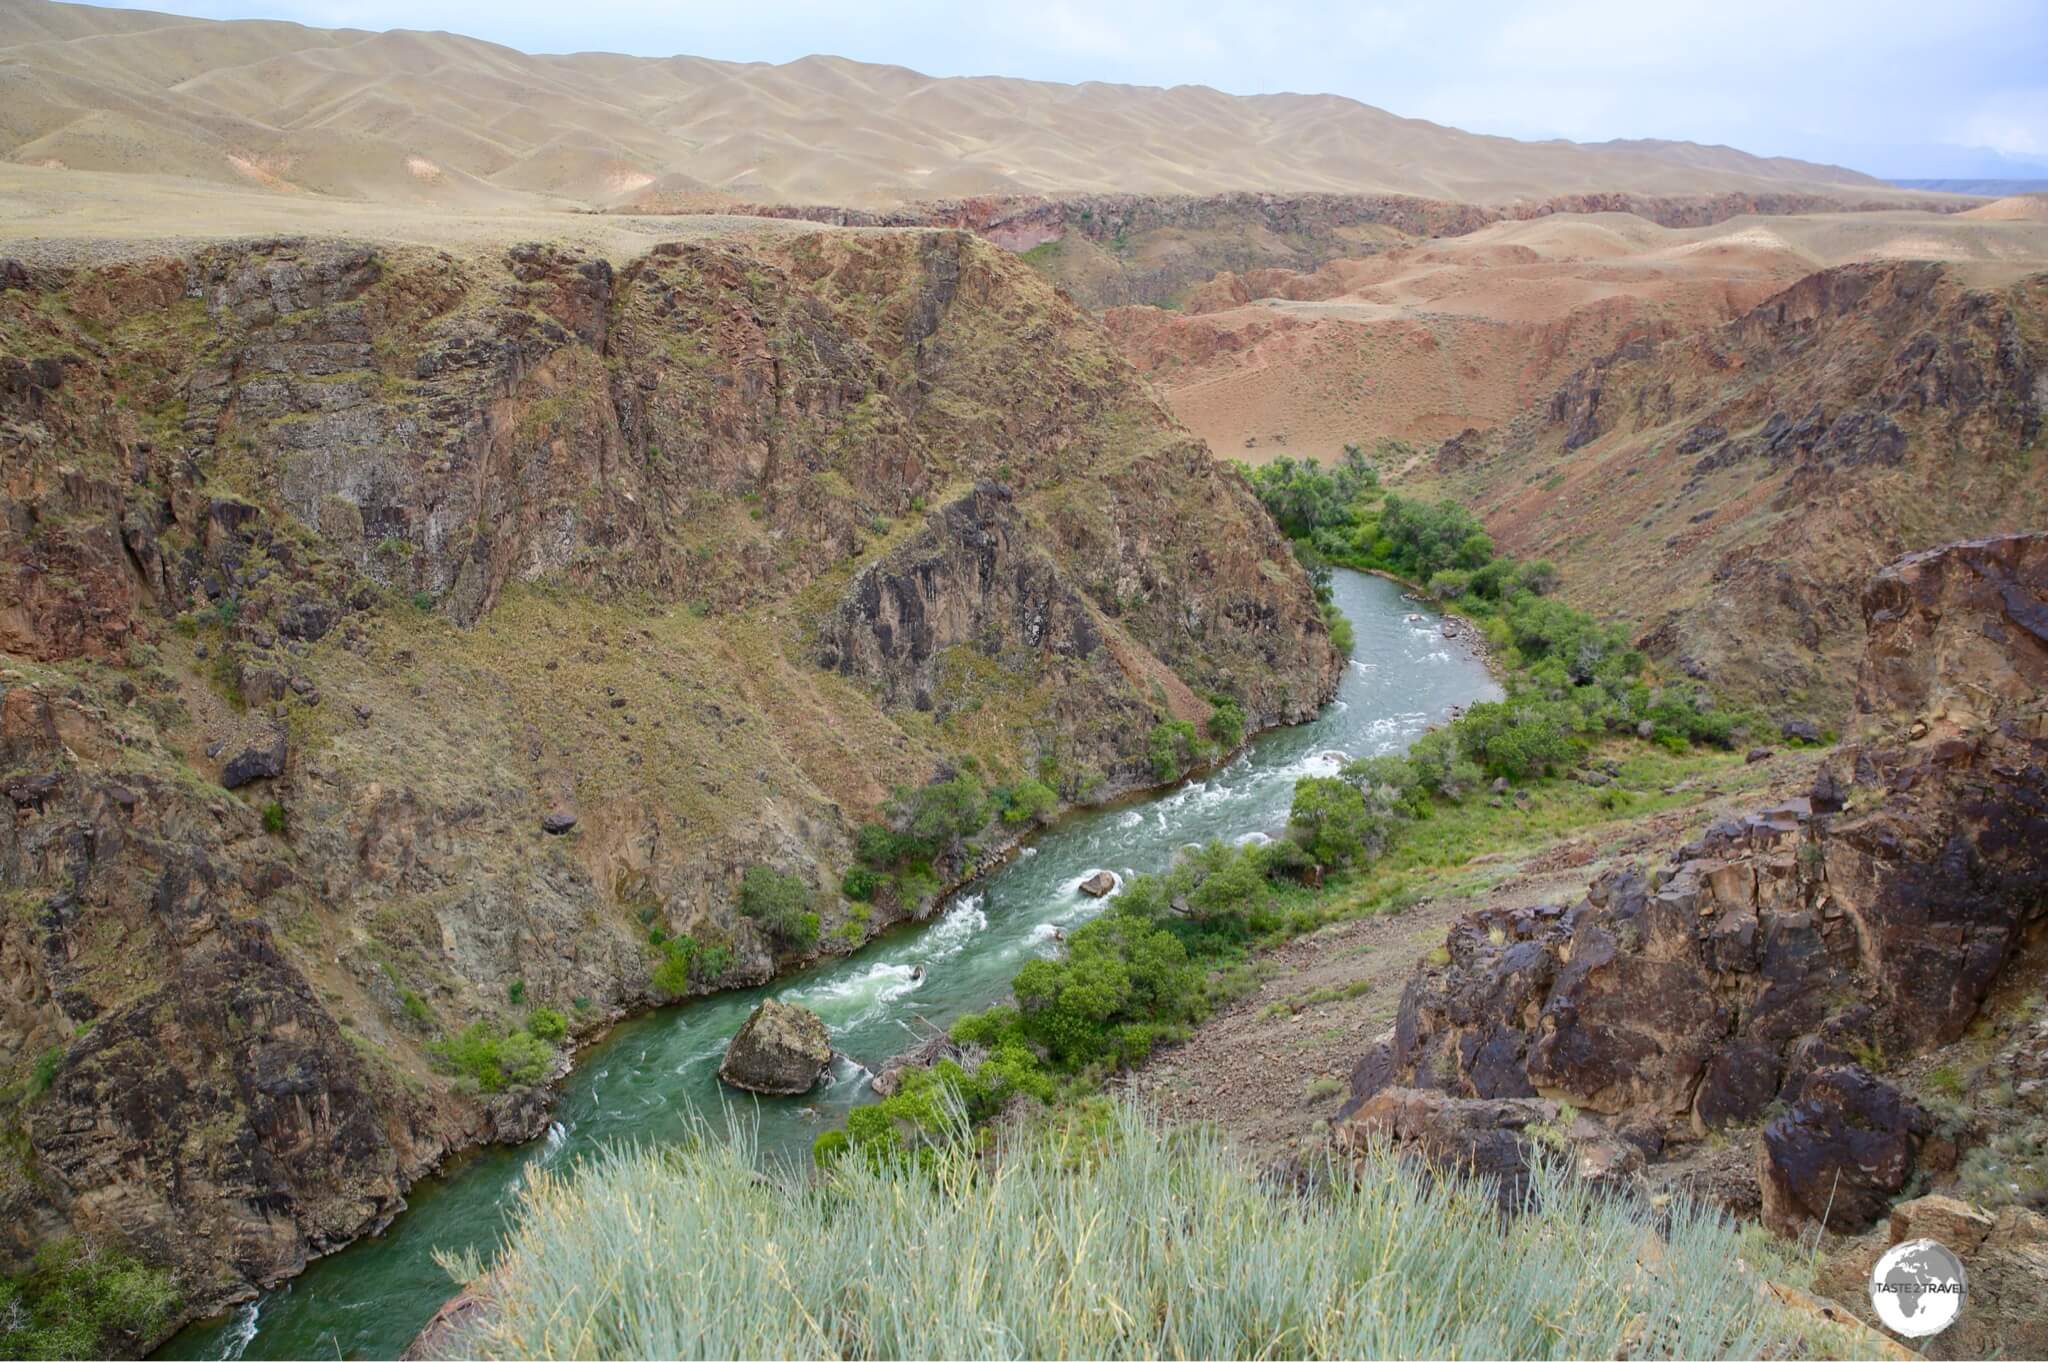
1426,340
437,118
2014,208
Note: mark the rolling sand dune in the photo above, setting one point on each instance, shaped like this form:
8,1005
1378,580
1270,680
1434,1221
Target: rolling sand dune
438,118
1422,342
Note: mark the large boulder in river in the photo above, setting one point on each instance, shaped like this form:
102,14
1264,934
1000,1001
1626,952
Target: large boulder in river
781,1050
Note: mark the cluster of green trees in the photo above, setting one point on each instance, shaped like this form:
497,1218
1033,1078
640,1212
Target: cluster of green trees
687,962
495,1057
782,904
1570,677
78,1300
931,823
1304,500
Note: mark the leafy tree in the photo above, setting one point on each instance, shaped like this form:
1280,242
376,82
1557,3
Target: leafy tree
495,1059
879,845
781,903
1538,578
1124,983
548,1024
1226,722
1301,497
1172,747
686,962
77,1300
1329,820
935,818
1219,882
1027,801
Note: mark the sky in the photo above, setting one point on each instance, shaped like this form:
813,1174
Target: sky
1931,88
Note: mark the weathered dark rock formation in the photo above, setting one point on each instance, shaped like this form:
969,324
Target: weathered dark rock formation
1733,489
333,578
1500,1140
1843,1151
780,1049
1765,956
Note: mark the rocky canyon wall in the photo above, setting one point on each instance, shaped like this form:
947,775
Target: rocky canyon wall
396,641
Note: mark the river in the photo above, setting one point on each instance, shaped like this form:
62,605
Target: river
652,1076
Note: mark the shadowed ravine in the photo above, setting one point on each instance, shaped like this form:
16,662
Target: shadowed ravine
649,1078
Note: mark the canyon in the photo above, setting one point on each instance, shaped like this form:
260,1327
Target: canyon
509,562
396,640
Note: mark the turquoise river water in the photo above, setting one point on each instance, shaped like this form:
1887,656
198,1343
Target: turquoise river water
650,1077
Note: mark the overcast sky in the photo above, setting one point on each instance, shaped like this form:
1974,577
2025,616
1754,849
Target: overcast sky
1926,88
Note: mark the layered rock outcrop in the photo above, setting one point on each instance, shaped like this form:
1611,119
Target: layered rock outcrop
399,642
1756,967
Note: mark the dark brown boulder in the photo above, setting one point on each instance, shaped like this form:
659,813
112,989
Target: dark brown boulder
1099,884
1841,1154
262,758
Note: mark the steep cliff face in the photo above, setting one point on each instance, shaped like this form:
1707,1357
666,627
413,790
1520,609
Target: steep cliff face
1734,489
1774,957
397,641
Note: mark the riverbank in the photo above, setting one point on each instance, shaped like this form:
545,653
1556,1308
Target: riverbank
1456,625
1269,1068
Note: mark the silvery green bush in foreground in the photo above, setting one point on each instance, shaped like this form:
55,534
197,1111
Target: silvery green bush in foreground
1119,1238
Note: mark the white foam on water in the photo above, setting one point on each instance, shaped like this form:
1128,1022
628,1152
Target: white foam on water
1130,818
843,1070
1028,852
1325,763
1250,839
242,1331
852,999
961,924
